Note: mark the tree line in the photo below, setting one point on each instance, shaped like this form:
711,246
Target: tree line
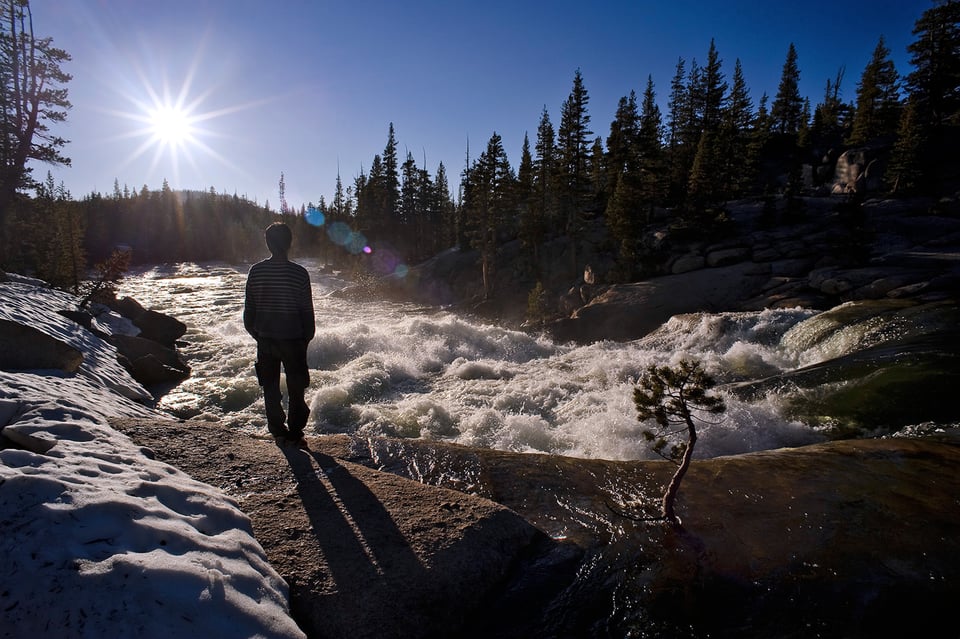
714,143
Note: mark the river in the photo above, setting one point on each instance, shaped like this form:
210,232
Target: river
422,373
409,371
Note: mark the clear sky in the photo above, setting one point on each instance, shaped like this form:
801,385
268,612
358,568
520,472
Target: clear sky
308,88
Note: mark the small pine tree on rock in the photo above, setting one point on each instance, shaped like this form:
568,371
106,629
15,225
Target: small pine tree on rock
672,397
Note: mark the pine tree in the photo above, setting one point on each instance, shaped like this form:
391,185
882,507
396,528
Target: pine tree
531,223
934,83
33,96
409,208
447,231
621,143
673,397
758,140
389,187
545,176
787,107
679,110
703,189
828,125
877,112
735,135
714,91
640,185
573,156
652,183
905,172
488,202
60,258
597,170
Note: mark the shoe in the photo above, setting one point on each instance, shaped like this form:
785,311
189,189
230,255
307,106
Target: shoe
298,440
280,435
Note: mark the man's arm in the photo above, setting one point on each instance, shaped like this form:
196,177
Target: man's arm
250,309
308,321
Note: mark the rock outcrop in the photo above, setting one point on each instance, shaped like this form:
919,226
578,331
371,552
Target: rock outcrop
878,250
149,362
838,539
860,170
367,554
150,357
815,253
153,325
23,347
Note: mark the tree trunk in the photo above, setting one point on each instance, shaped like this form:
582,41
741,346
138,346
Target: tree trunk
670,495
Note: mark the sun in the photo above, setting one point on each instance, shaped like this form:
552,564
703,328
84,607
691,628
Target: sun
171,125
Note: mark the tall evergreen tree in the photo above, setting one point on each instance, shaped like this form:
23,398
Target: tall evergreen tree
639,188
621,143
573,156
735,135
787,108
488,202
829,124
389,187
597,170
877,111
703,187
653,187
447,230
531,222
714,89
905,173
33,96
678,117
934,83
410,207
544,212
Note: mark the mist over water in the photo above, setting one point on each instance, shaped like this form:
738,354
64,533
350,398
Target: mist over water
408,371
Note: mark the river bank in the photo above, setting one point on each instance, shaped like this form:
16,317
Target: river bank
849,539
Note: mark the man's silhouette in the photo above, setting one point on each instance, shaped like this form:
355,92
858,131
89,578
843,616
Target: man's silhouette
278,313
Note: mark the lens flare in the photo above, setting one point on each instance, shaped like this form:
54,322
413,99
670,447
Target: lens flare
315,216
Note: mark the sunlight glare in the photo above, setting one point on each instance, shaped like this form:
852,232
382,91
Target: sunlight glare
170,125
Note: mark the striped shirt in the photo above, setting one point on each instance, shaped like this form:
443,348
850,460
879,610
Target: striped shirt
278,302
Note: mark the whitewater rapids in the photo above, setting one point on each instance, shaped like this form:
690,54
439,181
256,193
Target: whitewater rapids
382,368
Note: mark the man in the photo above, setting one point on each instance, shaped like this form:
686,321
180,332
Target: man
278,313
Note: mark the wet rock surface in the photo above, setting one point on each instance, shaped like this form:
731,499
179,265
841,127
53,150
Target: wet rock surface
400,538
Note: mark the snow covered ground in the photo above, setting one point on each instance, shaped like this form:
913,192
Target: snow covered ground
96,538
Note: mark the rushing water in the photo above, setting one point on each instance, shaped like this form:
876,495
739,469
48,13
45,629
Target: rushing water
408,371
414,372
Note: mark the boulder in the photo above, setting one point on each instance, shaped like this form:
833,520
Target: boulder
726,257
687,263
859,170
630,311
25,348
129,308
159,327
149,362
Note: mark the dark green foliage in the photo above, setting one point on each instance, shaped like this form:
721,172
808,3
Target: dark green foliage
787,109
878,99
573,185
107,274
32,97
489,198
905,174
715,146
537,309
934,83
672,397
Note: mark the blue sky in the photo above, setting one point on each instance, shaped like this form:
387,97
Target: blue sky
309,88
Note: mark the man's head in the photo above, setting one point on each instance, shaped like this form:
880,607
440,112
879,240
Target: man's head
279,238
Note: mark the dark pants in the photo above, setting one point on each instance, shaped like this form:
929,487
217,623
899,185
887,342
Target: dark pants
292,355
